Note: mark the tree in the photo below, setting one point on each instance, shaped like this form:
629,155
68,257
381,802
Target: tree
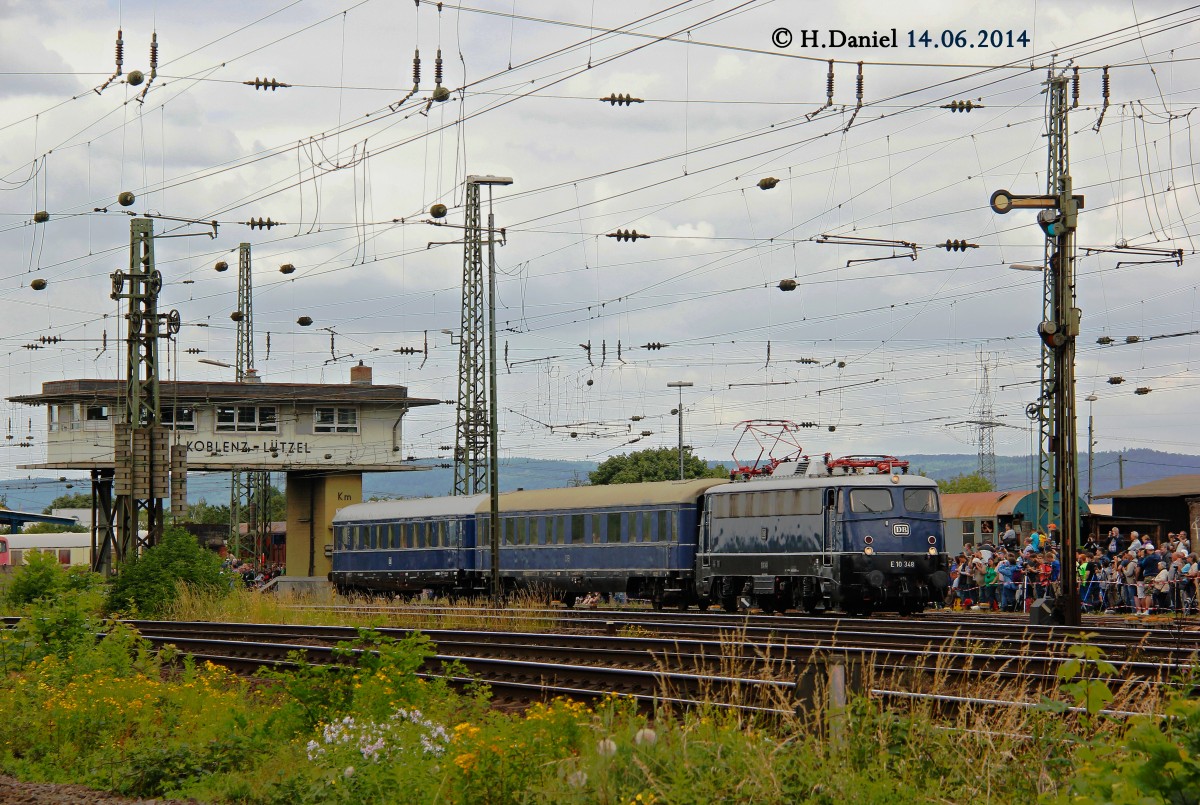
661,464
80,501
203,512
965,483
149,584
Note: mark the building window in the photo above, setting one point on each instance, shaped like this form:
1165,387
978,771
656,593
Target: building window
335,420
179,417
247,419
96,413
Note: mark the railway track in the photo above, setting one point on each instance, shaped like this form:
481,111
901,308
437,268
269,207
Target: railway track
761,663
756,666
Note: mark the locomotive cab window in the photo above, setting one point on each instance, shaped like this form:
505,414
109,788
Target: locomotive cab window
920,501
871,501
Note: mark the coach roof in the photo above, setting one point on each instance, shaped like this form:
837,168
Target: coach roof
655,493
415,507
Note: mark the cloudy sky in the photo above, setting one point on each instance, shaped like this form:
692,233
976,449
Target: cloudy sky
887,351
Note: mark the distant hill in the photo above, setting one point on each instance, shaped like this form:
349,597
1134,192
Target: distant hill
1016,472
1013,472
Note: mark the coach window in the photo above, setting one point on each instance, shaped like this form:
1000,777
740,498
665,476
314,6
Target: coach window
595,528
968,530
613,529
442,541
576,528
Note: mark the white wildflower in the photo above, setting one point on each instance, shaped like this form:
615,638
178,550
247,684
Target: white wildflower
645,736
607,747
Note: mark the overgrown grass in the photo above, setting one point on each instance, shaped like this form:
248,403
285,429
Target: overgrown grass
113,714
526,612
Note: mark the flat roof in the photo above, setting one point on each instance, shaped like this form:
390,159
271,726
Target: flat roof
193,391
1174,486
12,517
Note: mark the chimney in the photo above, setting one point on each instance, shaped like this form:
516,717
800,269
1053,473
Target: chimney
360,375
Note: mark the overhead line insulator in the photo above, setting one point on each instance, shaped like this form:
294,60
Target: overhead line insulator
962,106
655,345
621,100
958,245
626,234
260,223
266,83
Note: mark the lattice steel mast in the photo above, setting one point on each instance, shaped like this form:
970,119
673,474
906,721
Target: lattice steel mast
471,425
1059,330
141,455
248,488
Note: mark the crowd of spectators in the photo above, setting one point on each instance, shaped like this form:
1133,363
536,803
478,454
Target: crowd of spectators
253,577
1116,573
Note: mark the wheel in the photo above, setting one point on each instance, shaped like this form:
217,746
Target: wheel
568,600
766,603
729,603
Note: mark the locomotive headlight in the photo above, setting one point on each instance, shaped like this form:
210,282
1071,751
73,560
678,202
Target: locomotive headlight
933,550
895,478
869,551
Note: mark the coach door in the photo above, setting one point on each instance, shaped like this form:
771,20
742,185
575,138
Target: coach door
833,527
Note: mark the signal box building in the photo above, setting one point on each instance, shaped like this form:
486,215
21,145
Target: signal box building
324,436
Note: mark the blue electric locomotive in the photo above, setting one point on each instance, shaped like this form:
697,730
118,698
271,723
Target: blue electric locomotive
858,538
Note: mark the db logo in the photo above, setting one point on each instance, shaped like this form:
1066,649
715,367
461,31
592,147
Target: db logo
900,529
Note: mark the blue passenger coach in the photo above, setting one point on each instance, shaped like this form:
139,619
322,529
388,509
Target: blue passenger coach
406,545
638,539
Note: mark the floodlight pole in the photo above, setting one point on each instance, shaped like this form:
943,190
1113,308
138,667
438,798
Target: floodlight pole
1091,398
681,385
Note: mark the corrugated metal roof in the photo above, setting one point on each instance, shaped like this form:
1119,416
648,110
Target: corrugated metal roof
981,504
655,493
1174,486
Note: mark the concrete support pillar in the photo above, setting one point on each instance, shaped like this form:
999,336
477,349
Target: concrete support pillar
312,501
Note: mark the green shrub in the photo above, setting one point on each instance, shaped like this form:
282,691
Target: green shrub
150,583
40,577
